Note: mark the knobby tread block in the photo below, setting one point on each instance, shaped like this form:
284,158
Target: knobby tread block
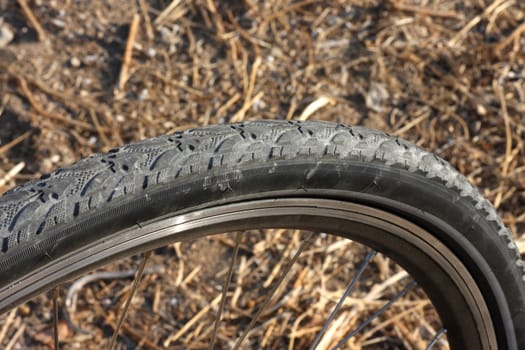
88,185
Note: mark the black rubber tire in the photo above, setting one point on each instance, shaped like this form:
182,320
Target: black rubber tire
98,196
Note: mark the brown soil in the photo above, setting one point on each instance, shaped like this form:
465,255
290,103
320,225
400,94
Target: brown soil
448,75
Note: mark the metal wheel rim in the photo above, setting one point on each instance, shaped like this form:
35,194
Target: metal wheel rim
333,216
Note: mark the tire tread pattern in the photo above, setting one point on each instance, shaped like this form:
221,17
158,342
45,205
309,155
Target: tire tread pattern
92,183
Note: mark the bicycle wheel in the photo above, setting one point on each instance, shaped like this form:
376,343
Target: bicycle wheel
354,182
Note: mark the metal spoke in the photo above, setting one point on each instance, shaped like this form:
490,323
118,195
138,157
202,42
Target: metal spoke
70,303
134,287
375,315
55,317
225,288
436,338
347,292
272,291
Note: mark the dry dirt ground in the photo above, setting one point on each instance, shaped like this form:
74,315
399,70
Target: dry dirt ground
78,77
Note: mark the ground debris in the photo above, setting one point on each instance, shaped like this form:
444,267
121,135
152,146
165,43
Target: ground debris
447,75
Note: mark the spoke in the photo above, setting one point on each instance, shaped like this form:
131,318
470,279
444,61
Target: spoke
225,288
70,304
436,338
134,287
55,317
347,292
272,291
375,315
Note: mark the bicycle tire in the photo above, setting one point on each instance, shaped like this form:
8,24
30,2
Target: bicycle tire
197,171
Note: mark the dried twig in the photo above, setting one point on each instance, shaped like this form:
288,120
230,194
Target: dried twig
133,29
520,243
42,36
513,37
15,337
11,174
140,338
394,320
5,100
473,22
316,105
508,138
167,12
291,109
411,124
14,142
67,99
179,85
225,107
150,33
7,324
248,100
71,297
191,322
425,11
98,127
239,116
40,110
377,291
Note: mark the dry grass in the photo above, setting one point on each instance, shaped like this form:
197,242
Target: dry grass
177,308
446,74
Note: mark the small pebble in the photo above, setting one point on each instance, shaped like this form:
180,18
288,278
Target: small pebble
168,125
143,95
24,310
6,34
151,52
89,59
46,166
75,62
481,110
377,97
55,158
58,23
